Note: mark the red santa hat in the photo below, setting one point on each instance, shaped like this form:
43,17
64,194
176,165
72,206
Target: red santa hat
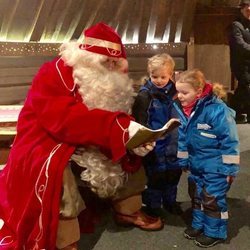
104,40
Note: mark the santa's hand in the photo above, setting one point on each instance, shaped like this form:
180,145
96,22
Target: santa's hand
144,149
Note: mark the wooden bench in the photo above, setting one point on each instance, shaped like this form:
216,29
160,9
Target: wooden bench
8,119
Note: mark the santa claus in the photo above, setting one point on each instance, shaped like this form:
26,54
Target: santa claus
77,109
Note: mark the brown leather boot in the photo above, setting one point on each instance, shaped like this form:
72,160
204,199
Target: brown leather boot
139,219
71,247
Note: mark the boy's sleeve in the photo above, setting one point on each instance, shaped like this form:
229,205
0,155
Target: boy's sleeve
172,142
140,108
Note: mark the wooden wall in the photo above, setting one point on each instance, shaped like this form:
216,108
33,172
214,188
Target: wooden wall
18,66
209,48
16,74
137,58
211,24
213,60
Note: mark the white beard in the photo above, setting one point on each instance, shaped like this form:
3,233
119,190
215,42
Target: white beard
99,87
111,91
104,89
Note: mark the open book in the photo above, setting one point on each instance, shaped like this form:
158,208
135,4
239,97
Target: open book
144,134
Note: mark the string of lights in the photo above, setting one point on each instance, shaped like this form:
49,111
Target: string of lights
51,49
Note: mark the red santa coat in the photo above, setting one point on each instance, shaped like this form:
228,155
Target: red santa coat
51,124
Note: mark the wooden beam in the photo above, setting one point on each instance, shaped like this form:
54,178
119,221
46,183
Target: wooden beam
124,17
85,8
54,20
15,81
74,21
145,20
18,71
39,25
63,21
134,22
4,12
163,11
13,95
23,61
173,21
188,19
8,17
119,8
33,22
94,14
107,12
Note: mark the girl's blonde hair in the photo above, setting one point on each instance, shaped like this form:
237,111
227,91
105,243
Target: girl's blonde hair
197,79
161,60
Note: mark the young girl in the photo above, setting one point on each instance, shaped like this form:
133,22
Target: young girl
208,146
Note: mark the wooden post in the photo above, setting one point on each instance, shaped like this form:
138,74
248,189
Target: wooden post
190,54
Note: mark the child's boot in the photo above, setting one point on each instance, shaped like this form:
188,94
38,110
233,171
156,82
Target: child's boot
192,233
205,241
174,208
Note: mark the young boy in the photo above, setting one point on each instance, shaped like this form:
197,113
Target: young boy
153,107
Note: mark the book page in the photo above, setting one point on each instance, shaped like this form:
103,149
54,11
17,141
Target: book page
144,135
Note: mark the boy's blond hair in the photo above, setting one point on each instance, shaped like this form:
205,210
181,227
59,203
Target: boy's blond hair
161,60
196,78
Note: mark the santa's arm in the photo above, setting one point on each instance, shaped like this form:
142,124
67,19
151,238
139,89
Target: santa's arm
68,120
73,123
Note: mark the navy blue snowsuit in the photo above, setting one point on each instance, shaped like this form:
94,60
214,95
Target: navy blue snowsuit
153,107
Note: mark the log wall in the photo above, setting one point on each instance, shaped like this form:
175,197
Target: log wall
19,65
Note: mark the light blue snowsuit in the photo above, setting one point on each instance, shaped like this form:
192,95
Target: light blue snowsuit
208,146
